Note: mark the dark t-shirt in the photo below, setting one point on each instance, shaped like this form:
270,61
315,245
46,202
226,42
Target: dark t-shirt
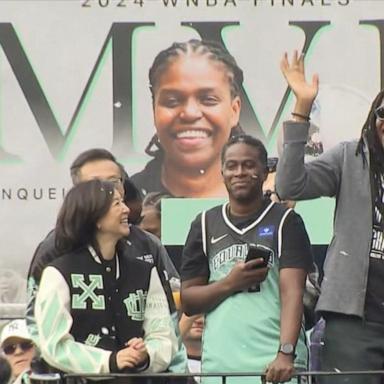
149,179
294,252
374,303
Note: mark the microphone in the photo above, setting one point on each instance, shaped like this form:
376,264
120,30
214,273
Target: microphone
254,177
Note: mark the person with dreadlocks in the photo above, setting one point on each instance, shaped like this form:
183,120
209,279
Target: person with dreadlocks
195,88
352,291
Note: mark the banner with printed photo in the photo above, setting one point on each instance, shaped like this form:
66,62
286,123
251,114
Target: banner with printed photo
74,75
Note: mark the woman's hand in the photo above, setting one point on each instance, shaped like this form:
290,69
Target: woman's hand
294,73
135,354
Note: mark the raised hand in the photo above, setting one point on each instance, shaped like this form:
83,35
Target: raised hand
294,73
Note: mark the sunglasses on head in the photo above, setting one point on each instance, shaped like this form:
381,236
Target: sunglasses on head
11,348
379,113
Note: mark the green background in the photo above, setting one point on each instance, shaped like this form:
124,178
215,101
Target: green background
177,215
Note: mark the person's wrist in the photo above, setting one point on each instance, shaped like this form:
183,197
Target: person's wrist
286,357
227,286
287,349
143,365
303,107
113,367
298,117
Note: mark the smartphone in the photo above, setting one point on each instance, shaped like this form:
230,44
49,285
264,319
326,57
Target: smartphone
256,252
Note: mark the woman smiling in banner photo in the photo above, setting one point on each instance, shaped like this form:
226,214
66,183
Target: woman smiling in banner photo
195,88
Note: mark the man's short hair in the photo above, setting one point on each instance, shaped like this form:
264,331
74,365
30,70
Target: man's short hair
88,156
249,140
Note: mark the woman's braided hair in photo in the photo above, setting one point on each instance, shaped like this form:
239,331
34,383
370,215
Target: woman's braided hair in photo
215,52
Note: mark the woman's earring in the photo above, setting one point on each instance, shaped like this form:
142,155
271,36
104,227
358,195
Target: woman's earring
153,146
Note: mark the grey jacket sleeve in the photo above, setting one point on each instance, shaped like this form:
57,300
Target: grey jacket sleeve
296,180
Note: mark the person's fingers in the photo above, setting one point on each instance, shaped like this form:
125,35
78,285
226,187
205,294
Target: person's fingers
315,80
294,57
301,62
269,375
128,363
139,345
284,63
252,264
135,342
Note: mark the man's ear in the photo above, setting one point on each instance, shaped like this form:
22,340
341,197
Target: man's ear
265,174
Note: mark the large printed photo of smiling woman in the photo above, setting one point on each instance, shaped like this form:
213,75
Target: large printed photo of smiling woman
195,87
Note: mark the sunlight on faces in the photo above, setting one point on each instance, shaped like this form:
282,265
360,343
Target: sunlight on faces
241,163
114,223
194,111
20,359
103,170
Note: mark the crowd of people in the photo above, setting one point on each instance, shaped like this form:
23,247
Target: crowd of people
104,295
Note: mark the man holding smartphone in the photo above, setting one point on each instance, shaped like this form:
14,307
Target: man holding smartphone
253,308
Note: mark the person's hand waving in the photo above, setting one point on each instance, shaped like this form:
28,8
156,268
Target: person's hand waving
294,73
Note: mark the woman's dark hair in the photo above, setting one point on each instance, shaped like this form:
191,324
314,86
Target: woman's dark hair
249,140
133,200
211,49
83,206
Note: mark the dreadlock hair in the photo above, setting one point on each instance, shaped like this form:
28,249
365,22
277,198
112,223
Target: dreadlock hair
213,51
376,152
251,141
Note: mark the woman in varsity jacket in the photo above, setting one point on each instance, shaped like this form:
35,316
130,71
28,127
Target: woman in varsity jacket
96,310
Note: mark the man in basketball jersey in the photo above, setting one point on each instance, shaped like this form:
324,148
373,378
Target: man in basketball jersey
253,309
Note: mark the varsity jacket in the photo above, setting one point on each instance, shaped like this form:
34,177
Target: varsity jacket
83,314
138,244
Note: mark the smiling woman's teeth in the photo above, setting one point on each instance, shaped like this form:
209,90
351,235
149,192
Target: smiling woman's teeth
192,134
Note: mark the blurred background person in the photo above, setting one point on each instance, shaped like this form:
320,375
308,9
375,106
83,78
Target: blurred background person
151,222
151,213
191,330
132,198
18,349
